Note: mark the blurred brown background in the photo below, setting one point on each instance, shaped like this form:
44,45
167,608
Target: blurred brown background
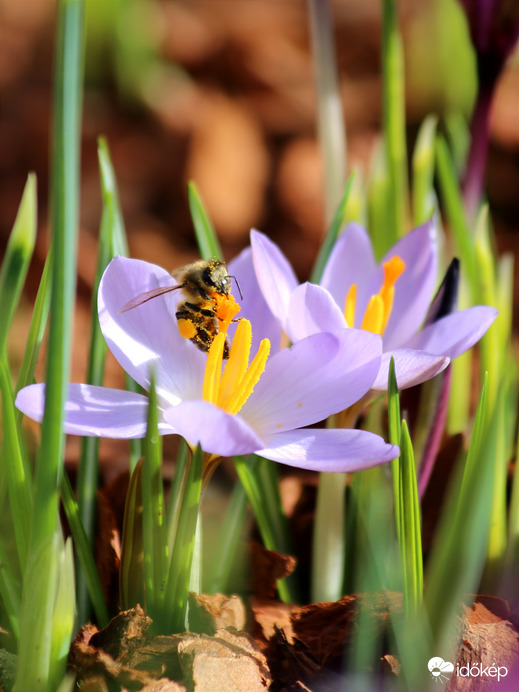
221,92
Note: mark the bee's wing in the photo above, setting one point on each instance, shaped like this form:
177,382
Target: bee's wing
148,295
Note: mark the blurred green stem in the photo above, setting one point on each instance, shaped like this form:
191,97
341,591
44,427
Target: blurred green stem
394,121
330,118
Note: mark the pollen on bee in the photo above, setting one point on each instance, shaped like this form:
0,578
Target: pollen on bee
186,328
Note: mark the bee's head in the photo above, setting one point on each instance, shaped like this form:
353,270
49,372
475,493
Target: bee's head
215,276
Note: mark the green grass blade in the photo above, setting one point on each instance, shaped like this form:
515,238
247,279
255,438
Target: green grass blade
394,122
131,569
110,197
84,552
119,246
231,534
273,537
64,207
333,233
330,117
89,455
39,591
181,558
153,516
395,431
14,470
423,171
176,493
205,234
18,253
37,329
42,657
410,527
10,592
378,196
456,562
454,209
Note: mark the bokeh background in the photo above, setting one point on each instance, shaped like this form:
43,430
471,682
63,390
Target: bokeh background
221,92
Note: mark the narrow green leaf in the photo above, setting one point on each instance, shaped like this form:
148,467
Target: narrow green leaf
131,568
456,563
231,533
423,171
378,195
10,592
176,493
88,469
42,653
182,554
394,122
111,206
153,515
246,468
205,234
410,526
395,431
17,256
63,615
330,117
454,209
64,209
113,217
333,233
84,552
14,470
36,329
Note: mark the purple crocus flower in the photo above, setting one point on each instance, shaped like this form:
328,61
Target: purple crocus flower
260,406
390,298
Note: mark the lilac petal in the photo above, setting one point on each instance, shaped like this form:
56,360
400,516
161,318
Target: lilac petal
414,289
254,306
275,275
217,431
313,310
147,336
411,367
94,411
455,333
316,377
351,262
329,450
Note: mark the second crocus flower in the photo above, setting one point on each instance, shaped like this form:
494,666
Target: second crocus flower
390,298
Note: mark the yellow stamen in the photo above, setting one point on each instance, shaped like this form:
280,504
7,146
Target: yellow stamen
245,387
238,360
349,305
213,369
231,389
380,305
393,269
374,316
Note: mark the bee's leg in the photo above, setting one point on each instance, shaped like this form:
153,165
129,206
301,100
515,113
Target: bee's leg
237,319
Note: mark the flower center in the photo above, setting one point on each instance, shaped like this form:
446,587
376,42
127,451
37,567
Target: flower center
231,389
380,305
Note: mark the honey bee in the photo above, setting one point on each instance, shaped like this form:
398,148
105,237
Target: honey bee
209,306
